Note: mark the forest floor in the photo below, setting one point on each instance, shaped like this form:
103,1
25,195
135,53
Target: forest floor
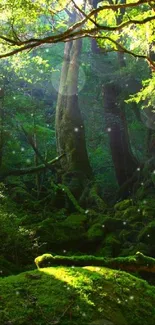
76,296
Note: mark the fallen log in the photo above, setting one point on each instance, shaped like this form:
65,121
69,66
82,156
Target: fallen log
135,263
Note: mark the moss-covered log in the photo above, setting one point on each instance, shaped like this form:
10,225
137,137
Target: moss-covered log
136,263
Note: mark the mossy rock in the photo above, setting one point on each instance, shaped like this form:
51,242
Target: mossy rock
60,235
111,239
150,202
147,235
148,212
75,219
132,214
130,236
124,235
51,232
138,226
129,214
118,215
112,224
99,218
113,243
141,247
123,205
91,294
132,249
145,192
95,232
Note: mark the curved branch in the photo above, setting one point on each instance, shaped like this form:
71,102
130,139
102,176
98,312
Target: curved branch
32,170
121,48
72,31
69,35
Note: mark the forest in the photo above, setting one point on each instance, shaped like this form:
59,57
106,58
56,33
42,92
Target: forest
77,162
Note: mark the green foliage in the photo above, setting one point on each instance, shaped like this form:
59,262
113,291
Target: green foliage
146,96
18,243
147,235
95,233
76,220
71,197
123,205
43,260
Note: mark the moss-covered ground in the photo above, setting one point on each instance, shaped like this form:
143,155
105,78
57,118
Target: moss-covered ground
76,296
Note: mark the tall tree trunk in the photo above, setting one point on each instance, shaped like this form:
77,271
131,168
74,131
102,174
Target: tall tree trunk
1,125
69,124
124,162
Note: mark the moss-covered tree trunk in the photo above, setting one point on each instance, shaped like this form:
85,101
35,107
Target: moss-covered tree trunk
1,125
124,162
70,132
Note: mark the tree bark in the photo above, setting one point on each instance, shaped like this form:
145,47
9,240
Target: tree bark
124,162
69,124
1,125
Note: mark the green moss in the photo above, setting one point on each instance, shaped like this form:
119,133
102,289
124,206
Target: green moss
95,232
7,268
52,233
123,205
113,243
76,219
71,197
73,296
112,224
95,200
131,235
83,260
67,233
43,260
147,234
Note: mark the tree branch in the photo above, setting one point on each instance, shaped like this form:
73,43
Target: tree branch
121,48
31,142
84,14
27,171
72,32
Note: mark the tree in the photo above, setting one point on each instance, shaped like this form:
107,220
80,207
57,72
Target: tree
124,162
1,125
101,24
69,123
17,37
